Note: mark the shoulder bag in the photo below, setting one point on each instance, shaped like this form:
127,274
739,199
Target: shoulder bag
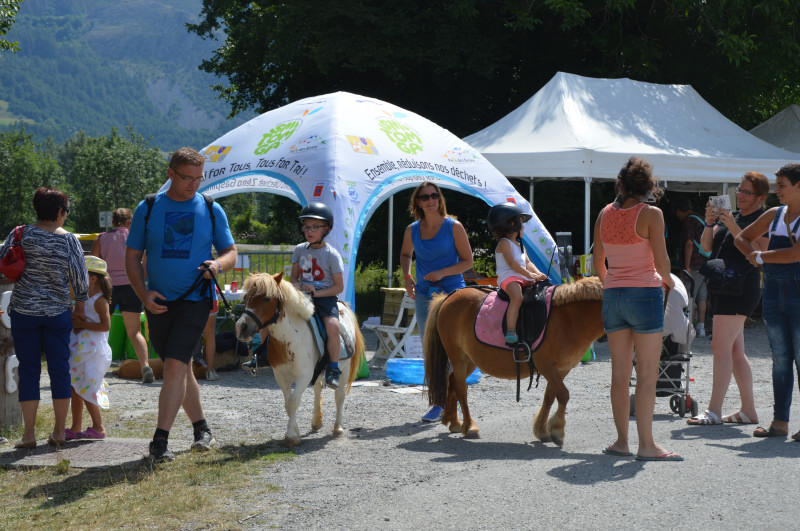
13,263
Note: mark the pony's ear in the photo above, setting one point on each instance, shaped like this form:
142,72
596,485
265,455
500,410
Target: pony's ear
278,277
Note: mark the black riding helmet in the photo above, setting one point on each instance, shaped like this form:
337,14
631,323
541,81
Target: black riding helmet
499,216
316,211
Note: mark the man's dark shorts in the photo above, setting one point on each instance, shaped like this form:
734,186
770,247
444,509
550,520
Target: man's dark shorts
326,306
176,332
127,300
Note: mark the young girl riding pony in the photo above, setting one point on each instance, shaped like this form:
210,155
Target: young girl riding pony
514,268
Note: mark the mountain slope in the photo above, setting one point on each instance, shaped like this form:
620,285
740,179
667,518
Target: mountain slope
96,64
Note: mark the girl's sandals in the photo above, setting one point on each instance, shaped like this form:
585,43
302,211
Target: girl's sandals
26,445
706,418
770,432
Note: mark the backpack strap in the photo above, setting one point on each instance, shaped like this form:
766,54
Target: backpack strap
700,250
150,200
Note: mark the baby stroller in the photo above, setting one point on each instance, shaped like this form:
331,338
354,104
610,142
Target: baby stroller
673,369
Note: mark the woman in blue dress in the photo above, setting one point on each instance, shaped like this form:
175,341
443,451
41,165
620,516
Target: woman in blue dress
440,246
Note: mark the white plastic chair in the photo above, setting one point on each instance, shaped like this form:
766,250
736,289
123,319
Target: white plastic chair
392,338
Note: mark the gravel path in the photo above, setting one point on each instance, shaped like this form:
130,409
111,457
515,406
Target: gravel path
390,470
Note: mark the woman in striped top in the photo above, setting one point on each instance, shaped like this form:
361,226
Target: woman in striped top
40,309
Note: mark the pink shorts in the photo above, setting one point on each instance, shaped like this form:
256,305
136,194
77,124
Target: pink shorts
523,281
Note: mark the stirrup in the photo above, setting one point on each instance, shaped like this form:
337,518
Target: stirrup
521,352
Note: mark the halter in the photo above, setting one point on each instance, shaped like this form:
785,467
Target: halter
271,320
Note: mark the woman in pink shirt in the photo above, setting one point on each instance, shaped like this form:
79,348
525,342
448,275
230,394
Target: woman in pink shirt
110,246
629,233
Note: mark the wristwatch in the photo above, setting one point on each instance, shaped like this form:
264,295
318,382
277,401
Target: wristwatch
759,261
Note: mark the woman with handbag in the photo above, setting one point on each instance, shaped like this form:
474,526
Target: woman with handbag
731,310
41,319
781,299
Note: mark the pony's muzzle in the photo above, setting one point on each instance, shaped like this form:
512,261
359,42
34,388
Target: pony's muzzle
245,329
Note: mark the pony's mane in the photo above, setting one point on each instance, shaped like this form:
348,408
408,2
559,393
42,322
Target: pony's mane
586,289
262,285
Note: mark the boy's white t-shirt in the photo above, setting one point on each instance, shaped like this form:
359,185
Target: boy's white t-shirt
317,266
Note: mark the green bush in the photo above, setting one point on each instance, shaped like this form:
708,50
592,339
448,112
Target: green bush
369,279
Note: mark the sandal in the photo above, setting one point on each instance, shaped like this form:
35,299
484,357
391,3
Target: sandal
738,418
91,433
796,437
770,432
26,445
706,418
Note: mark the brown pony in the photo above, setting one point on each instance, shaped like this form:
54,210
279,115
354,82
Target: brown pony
575,322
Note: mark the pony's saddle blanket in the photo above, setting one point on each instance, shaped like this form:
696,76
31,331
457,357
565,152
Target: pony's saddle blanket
346,341
531,323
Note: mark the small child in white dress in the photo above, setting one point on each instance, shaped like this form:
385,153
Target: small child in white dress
90,355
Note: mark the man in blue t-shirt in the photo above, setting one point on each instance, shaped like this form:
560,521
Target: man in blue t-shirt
176,232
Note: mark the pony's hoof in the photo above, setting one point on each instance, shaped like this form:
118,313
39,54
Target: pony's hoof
474,433
338,431
316,426
545,437
558,441
455,427
291,441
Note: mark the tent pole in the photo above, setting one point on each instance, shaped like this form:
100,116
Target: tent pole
587,185
389,258
530,192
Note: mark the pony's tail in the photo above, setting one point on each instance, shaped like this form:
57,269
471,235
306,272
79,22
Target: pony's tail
436,363
360,350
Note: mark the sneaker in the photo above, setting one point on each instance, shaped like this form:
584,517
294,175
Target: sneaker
203,440
147,375
159,452
255,363
212,375
511,337
700,331
433,415
332,377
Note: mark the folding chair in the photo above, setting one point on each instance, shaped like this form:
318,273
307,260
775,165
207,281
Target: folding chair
392,338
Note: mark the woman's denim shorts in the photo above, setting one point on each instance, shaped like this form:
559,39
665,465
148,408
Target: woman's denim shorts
641,309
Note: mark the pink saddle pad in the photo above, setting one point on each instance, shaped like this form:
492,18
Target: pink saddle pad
489,322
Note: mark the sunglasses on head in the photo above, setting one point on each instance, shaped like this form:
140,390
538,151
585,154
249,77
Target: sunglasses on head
425,197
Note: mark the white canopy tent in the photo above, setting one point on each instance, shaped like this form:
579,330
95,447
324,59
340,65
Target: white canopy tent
585,128
352,152
782,130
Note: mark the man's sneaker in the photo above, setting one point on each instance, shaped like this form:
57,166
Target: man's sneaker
332,377
433,415
700,331
203,440
159,452
212,375
147,375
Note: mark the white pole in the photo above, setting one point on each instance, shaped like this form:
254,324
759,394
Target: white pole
391,222
587,185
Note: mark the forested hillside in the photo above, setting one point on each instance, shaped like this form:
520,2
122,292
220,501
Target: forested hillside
92,65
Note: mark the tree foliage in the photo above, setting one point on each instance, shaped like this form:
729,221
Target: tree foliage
466,63
8,13
24,167
110,172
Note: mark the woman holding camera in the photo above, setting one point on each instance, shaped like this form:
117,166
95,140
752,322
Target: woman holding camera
730,312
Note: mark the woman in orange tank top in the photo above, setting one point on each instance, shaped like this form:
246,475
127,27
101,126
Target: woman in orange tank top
629,233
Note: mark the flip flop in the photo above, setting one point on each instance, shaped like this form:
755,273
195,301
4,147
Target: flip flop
91,433
796,437
56,442
26,445
666,456
769,432
738,418
610,451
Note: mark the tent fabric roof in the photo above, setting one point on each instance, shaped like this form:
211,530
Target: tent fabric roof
580,127
782,130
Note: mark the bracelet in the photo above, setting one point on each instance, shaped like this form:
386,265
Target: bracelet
409,276
220,266
708,226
